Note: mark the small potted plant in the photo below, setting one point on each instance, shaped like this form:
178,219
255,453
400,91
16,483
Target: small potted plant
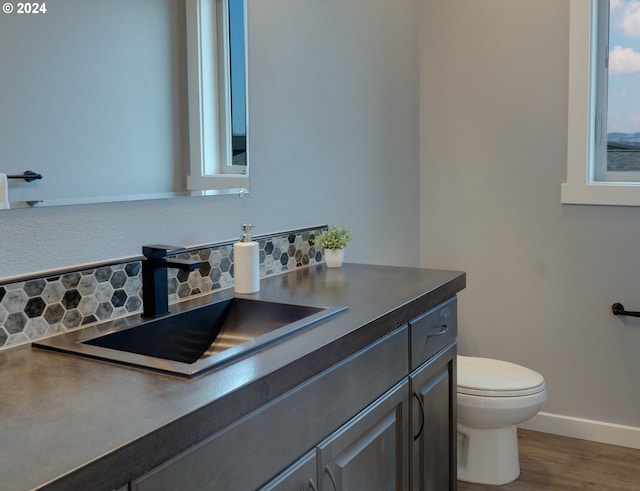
333,241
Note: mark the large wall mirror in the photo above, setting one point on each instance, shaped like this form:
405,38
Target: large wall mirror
123,99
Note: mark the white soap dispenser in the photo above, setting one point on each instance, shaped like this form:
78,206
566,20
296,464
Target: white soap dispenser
246,263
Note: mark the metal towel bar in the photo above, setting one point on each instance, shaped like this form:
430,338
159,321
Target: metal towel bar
618,309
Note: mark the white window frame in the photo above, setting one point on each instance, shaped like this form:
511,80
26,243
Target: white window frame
208,73
581,186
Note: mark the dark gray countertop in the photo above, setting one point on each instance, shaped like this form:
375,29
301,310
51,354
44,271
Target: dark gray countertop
74,423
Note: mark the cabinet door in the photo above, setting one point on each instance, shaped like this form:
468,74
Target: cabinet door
301,476
370,452
433,423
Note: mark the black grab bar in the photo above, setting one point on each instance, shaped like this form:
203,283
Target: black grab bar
618,309
28,176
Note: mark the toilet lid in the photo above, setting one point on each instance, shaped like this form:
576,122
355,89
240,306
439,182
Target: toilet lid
496,378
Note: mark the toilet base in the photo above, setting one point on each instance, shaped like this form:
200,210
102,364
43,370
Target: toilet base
488,456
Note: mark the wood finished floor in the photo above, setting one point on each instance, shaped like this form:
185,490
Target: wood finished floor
551,462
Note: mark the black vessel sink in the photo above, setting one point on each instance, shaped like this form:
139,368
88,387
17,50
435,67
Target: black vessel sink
191,342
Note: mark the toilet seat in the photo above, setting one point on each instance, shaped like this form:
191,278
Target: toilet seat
486,377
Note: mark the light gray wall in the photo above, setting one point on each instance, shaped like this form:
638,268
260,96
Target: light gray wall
541,276
333,137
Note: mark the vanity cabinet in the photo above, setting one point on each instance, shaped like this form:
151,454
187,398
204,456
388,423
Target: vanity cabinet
382,419
337,394
364,454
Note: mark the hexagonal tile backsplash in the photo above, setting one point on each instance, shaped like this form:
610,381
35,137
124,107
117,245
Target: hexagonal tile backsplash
42,306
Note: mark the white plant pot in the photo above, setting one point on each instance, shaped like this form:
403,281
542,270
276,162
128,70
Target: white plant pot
334,257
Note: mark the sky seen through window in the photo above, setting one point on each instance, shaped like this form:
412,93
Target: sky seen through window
624,68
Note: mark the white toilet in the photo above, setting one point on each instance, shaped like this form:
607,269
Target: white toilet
493,397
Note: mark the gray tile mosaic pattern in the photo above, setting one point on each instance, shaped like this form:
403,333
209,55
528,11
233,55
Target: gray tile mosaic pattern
43,306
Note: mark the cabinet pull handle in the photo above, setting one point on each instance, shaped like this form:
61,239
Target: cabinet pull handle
442,328
330,474
415,394
312,485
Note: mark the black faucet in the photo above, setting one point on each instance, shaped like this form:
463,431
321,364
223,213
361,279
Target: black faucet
155,287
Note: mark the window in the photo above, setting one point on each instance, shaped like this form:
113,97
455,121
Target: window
216,58
618,92
603,155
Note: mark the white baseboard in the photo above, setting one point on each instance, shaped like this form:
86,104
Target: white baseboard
585,429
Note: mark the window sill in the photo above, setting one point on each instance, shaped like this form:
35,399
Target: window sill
602,193
219,181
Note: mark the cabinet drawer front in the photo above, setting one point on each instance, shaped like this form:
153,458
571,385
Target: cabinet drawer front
256,448
432,331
